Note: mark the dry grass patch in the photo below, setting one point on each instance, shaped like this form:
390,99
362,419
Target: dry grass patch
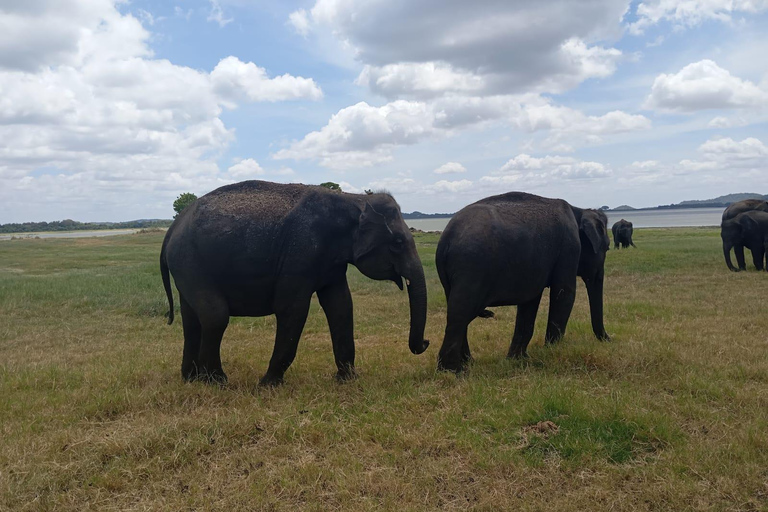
670,415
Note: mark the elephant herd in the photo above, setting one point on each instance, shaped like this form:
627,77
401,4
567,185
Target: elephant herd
257,248
745,224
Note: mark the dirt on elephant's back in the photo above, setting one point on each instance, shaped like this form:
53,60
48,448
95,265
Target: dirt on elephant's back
248,199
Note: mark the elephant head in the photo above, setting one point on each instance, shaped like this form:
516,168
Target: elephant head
593,232
383,249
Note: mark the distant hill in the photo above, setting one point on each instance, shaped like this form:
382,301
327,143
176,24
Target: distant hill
725,200
716,202
419,215
73,225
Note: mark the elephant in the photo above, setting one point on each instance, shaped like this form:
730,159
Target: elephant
504,250
622,234
731,212
748,229
257,248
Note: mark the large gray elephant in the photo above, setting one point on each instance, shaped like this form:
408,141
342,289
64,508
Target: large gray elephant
504,250
748,229
257,248
730,213
622,234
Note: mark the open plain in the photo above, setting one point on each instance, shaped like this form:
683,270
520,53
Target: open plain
672,414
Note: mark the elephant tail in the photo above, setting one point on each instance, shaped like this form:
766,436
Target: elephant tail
166,280
486,313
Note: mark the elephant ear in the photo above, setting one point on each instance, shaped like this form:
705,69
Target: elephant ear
748,224
591,230
372,231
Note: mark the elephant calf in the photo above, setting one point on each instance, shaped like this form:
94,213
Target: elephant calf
748,229
622,234
257,248
505,250
729,242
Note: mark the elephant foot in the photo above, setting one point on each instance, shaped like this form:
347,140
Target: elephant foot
346,374
270,381
189,372
517,354
213,377
446,366
603,337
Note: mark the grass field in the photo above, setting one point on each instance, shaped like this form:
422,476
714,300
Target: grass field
670,415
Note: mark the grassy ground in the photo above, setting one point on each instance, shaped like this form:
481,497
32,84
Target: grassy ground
670,415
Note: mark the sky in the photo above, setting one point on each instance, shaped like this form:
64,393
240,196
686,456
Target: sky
109,109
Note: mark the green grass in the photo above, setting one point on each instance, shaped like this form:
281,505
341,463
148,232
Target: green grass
670,415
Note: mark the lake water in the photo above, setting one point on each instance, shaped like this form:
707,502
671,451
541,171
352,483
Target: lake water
684,217
70,234
687,217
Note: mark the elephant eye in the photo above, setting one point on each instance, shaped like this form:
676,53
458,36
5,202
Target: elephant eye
397,244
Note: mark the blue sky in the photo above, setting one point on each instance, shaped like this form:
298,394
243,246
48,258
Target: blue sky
110,109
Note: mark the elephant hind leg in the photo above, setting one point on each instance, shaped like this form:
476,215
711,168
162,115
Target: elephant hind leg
758,255
213,320
204,317
463,307
192,337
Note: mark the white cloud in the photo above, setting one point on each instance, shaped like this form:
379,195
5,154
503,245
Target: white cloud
450,168
97,120
348,187
299,20
688,13
395,185
245,169
451,186
727,148
35,34
424,79
363,135
217,14
484,47
704,85
235,80
525,171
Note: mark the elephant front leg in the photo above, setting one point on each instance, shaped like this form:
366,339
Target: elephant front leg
290,323
524,324
336,302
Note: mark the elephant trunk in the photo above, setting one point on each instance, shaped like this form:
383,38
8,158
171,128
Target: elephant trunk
727,253
595,293
417,296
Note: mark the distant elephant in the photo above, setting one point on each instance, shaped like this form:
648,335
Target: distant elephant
256,248
622,234
731,212
504,250
748,229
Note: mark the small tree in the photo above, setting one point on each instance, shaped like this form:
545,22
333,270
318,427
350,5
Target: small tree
331,185
182,202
